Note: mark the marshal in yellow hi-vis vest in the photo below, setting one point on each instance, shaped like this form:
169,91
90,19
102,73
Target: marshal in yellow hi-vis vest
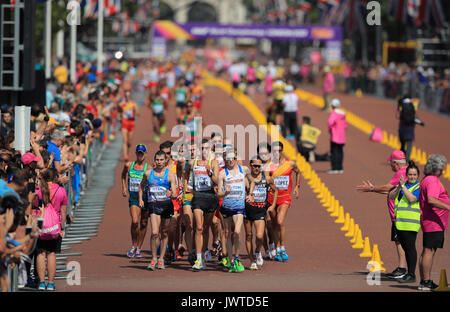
310,134
407,215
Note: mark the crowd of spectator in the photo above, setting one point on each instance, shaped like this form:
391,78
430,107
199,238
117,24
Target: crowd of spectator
63,131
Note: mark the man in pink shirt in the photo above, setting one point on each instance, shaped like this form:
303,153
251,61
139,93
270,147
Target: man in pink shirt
328,87
337,126
435,207
397,160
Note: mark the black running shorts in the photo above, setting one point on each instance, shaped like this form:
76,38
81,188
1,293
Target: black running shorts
163,209
255,213
433,240
208,202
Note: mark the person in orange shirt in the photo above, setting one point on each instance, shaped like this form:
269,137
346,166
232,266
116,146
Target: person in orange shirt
197,95
281,170
128,109
164,92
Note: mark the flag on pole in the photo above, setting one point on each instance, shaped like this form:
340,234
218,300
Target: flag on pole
434,14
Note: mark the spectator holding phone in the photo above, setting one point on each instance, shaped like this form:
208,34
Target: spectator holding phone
54,200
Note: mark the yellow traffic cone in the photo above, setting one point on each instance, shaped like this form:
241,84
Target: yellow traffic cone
322,191
413,155
366,253
359,241
357,229
329,201
424,158
335,212
391,140
332,207
326,198
377,264
340,218
443,284
385,139
398,145
351,229
346,222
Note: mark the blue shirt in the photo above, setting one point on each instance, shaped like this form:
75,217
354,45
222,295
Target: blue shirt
4,188
52,148
408,186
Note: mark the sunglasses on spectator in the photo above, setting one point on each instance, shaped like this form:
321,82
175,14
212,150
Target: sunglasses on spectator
256,165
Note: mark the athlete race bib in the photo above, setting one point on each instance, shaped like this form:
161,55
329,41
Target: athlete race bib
134,184
236,193
158,193
180,97
260,194
202,183
128,114
158,108
282,182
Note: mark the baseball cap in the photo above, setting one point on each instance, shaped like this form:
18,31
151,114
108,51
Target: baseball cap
335,103
141,148
97,123
28,158
396,155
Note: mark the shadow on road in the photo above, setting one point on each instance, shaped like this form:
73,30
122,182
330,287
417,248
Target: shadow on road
413,287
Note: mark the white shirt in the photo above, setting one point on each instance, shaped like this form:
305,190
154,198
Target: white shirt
290,101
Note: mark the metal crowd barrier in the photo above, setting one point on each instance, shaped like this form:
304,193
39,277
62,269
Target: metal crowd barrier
432,98
84,171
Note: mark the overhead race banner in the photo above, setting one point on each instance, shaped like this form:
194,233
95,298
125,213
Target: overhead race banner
192,31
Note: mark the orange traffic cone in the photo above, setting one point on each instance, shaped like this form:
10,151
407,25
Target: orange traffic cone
346,222
351,229
359,241
366,253
443,284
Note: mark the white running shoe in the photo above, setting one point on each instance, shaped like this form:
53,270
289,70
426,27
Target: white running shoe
273,253
259,259
253,266
199,266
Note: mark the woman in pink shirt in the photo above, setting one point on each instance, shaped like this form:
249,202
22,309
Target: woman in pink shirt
337,126
435,207
53,197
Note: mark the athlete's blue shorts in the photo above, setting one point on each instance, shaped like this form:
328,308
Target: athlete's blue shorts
226,213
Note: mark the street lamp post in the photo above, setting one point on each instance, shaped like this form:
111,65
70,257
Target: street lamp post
100,37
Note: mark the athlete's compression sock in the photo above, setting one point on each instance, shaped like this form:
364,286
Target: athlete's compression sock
199,257
278,249
283,248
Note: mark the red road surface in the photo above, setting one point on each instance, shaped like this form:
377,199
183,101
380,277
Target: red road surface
321,257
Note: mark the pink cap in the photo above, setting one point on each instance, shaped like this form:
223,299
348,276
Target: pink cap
29,157
396,155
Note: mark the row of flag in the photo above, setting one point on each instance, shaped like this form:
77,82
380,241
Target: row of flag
111,7
418,12
90,7
124,25
351,13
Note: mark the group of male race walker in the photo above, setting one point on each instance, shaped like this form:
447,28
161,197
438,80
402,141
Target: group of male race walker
200,184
